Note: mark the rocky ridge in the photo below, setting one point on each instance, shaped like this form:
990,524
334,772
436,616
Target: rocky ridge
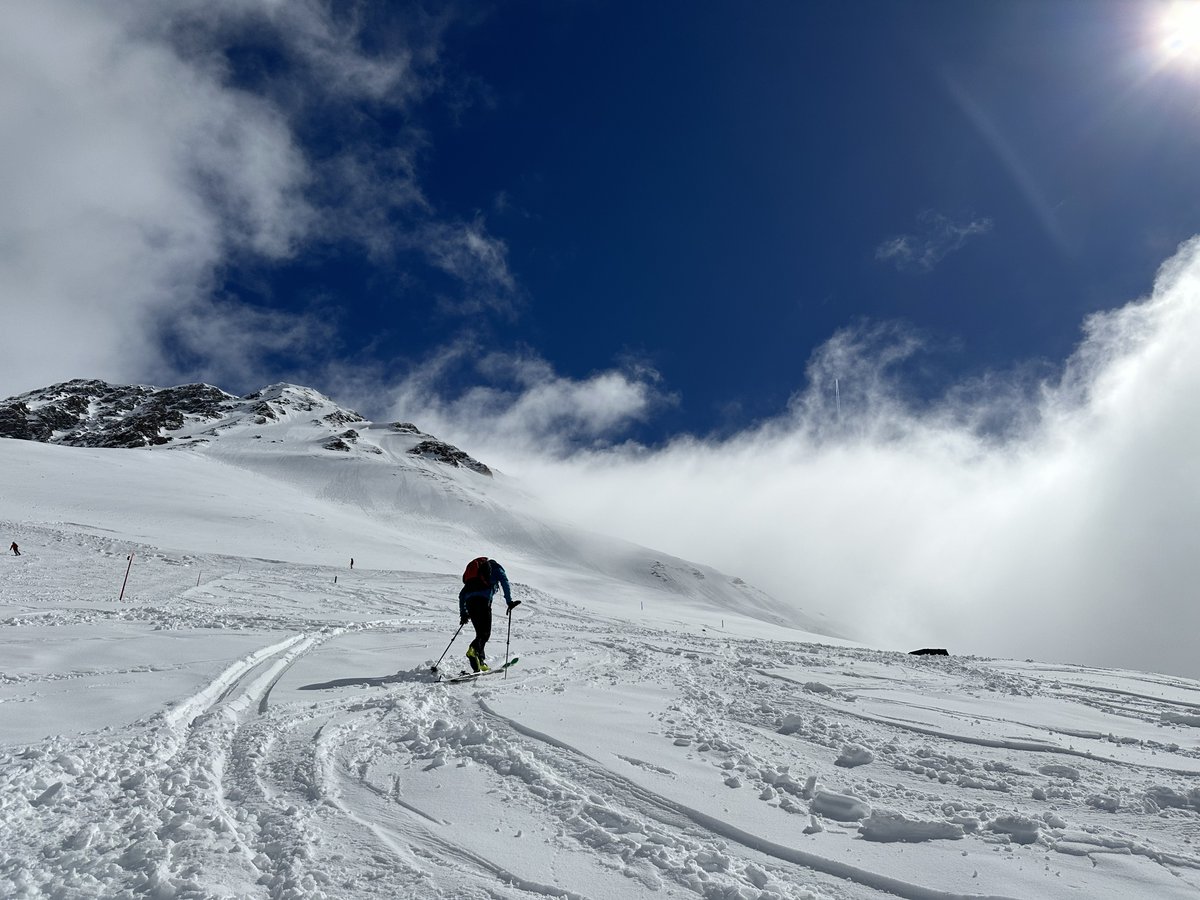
92,413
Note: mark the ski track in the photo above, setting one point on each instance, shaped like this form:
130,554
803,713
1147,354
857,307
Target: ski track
1031,746
675,815
246,787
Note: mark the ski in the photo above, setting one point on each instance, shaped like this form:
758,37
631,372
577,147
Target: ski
471,676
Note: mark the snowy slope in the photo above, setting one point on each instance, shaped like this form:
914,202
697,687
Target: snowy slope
256,719
288,474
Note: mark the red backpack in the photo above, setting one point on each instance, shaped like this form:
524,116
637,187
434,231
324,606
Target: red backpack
478,572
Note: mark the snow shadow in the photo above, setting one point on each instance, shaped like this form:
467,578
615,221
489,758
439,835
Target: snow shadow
414,675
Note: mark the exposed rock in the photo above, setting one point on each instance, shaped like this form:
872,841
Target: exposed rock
14,422
95,414
91,413
342,417
343,441
445,453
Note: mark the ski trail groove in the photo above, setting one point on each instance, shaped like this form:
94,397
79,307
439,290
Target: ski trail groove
191,708
1029,746
341,774
672,813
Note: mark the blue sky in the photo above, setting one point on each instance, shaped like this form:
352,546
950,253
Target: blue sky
698,194
625,252
711,190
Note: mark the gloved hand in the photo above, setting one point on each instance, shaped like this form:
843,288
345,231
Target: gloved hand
512,604
464,620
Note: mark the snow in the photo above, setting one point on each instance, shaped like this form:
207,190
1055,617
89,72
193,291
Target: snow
256,719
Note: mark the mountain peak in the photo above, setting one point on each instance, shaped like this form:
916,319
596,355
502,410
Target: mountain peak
285,391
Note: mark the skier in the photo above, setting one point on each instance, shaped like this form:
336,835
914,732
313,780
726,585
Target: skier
15,549
352,562
480,581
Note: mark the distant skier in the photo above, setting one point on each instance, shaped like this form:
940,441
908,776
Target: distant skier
480,581
352,562
15,549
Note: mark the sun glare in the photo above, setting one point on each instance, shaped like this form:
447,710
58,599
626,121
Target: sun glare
1181,31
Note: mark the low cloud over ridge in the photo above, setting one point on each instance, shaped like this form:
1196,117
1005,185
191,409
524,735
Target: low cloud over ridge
1014,516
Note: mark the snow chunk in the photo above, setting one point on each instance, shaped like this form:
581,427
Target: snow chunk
1021,829
1054,820
1106,802
1164,797
810,787
791,724
890,827
840,807
854,755
1175,718
48,795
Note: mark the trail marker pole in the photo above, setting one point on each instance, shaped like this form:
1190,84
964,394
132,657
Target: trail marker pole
197,579
126,581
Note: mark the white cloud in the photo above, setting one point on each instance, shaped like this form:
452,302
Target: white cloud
937,236
136,168
515,400
326,38
126,177
466,252
1068,532
233,338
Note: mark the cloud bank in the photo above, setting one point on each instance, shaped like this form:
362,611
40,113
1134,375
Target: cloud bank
1013,516
512,402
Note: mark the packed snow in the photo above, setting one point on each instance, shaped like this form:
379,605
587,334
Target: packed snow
257,719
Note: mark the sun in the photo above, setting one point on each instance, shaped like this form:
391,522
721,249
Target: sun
1180,28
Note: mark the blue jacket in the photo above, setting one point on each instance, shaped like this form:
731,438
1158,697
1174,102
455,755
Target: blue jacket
499,580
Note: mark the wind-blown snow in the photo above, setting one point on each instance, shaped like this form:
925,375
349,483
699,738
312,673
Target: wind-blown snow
256,719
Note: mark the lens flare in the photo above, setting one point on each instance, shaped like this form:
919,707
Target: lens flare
1181,32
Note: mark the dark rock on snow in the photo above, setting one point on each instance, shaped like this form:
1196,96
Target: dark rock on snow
91,413
452,456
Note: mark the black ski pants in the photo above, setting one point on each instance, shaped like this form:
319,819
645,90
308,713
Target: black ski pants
479,610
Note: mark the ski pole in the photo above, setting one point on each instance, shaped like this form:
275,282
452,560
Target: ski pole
126,581
447,650
508,640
